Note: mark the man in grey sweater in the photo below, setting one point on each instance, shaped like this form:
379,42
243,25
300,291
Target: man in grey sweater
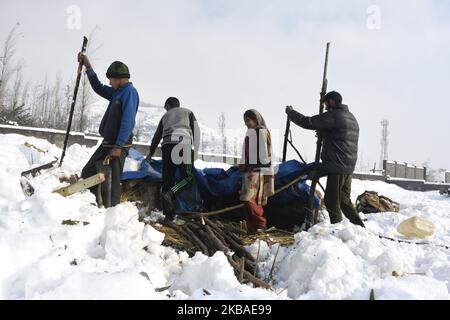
180,136
340,131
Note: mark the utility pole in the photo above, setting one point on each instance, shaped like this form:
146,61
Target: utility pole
384,142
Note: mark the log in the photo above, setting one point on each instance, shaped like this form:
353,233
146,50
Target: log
274,260
249,276
233,229
222,247
234,237
257,258
177,228
228,241
216,230
239,249
216,241
196,241
203,235
81,185
211,224
213,243
194,227
241,273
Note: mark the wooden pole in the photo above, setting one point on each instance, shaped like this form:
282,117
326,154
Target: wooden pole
286,137
74,99
312,213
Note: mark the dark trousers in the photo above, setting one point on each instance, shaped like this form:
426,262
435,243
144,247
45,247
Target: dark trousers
116,165
169,169
337,198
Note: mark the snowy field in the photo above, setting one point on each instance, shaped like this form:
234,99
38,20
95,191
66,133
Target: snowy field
117,257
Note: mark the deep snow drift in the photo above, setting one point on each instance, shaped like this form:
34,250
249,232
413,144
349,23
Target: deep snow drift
115,256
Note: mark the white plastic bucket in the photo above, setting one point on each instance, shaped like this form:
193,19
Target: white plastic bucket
416,227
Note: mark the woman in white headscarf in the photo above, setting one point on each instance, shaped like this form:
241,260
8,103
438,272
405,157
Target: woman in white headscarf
258,175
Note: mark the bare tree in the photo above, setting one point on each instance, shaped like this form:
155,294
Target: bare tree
85,93
6,60
14,98
236,146
18,111
34,102
44,103
68,92
11,108
138,127
47,104
222,132
15,93
57,115
202,137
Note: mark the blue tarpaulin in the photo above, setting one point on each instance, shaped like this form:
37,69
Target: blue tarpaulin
215,183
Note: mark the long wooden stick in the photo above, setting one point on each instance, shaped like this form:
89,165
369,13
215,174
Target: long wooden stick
303,160
312,214
248,275
257,258
241,273
286,137
273,265
200,215
74,99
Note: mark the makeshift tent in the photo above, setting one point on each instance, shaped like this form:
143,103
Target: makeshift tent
212,184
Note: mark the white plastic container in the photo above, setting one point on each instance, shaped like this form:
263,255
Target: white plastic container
416,227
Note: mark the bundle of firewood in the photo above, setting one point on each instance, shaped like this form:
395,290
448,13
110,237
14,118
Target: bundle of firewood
209,236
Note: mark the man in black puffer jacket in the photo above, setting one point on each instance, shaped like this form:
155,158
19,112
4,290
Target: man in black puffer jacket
340,132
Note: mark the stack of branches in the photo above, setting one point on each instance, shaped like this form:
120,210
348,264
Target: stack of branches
272,236
208,237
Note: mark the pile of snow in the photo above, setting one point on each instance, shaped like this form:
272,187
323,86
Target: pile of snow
345,261
114,256
111,255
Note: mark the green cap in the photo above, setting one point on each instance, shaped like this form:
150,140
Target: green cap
118,70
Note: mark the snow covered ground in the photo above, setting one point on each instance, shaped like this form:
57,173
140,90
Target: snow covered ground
117,257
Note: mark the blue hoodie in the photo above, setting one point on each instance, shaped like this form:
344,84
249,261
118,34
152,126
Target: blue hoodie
120,117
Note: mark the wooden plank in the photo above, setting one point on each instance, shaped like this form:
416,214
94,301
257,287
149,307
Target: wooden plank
29,145
36,170
81,185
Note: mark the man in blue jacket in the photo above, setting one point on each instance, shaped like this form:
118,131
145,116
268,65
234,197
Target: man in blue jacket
117,124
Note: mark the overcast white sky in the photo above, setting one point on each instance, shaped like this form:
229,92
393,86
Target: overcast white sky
227,55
